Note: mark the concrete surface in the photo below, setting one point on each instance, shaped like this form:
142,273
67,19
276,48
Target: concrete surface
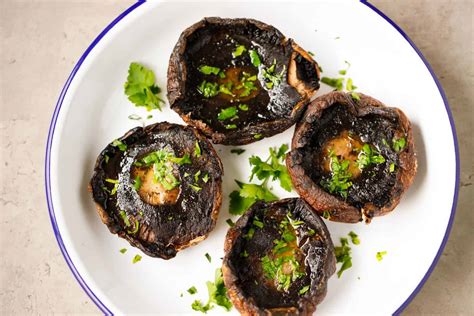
40,40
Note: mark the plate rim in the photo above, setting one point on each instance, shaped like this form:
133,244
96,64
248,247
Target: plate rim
102,307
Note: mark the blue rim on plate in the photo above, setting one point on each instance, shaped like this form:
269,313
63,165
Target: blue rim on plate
52,127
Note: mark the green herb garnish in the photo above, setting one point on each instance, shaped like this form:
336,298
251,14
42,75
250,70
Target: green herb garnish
136,227
238,51
327,214
399,144
227,113
392,167
254,58
237,151
123,250
217,295
339,181
248,194
257,136
196,176
208,257
115,183
303,290
208,89
149,116
273,78
273,167
380,255
195,187
197,150
121,146
135,117
136,258
226,89
343,255
337,83
192,290
106,159
205,178
368,156
230,126
141,88
209,70
230,222
243,107
310,53
354,238
124,217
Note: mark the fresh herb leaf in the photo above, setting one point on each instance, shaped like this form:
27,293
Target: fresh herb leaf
339,182
136,259
380,255
354,238
257,136
227,113
238,51
197,150
149,116
247,195
254,58
231,126
244,254
106,159
123,250
226,88
124,217
209,70
355,96
205,178
208,89
243,107
337,83
118,143
398,144
273,167
237,151
195,187
208,257
369,156
196,176
115,183
343,255
303,290
141,88
192,290
258,223
273,79
217,295
136,227
230,222
327,214
392,167
310,53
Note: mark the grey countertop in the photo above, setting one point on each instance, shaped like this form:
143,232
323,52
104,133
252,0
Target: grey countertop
40,41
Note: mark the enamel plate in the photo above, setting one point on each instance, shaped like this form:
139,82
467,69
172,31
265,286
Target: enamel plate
93,110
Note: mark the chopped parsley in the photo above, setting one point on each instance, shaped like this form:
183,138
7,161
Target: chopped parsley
343,255
243,107
208,257
344,71
354,238
197,149
273,79
118,143
230,222
136,227
138,183
192,290
327,214
230,126
115,183
208,89
124,217
310,53
227,113
392,167
136,259
247,84
282,265
141,88
337,83
254,58
237,151
106,158
399,144
195,187
238,51
217,295
380,255
303,290
135,117
162,168
123,250
149,116
257,136
209,70
247,195
226,88
273,167
339,182
368,156
205,178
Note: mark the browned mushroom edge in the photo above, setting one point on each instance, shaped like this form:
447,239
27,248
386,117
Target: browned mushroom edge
211,42
378,189
169,220
249,288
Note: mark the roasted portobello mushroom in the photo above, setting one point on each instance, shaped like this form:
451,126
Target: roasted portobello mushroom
352,158
278,258
159,187
239,80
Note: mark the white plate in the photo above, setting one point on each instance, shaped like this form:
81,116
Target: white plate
92,110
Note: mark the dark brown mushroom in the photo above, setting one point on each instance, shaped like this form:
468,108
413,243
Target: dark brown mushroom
159,187
239,80
278,258
352,157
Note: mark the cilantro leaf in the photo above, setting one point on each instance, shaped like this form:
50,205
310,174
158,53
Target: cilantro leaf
273,167
241,200
227,113
209,70
141,88
238,51
254,58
